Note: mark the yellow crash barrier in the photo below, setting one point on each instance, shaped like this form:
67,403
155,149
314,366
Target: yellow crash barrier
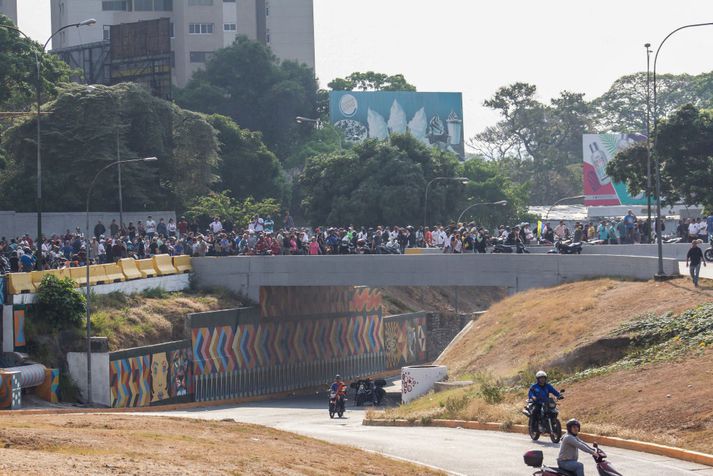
79,275
18,283
183,263
129,268
146,267
113,273
162,264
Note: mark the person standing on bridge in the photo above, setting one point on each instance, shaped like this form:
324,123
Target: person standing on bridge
694,258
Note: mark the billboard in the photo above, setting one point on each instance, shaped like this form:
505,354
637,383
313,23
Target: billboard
435,119
599,189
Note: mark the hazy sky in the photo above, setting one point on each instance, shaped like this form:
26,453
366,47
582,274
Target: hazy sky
477,46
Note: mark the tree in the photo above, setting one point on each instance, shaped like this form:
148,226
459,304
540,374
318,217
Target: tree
683,145
247,168
60,306
540,142
246,82
222,205
379,182
80,137
371,81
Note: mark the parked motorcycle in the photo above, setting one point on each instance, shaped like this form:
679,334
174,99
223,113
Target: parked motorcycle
544,419
567,247
369,391
337,404
534,459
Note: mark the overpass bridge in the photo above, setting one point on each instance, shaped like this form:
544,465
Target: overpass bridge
247,274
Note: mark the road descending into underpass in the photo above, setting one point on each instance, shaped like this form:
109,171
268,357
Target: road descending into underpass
456,451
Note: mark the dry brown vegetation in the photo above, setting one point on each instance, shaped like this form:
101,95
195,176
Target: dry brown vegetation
116,444
151,318
669,402
460,299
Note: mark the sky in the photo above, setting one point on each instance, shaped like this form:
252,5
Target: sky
475,47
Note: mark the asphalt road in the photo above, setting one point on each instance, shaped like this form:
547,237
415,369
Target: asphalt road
453,450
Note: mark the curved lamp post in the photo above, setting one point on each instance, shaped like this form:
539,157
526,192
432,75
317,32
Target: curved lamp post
38,101
88,289
463,180
575,197
652,152
502,203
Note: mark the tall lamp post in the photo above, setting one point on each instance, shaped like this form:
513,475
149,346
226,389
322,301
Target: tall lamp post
463,180
88,248
502,203
652,151
648,134
38,101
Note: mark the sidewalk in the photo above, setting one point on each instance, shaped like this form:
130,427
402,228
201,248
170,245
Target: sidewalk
706,271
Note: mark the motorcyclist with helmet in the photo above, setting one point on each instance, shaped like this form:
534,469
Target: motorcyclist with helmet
539,394
339,388
569,449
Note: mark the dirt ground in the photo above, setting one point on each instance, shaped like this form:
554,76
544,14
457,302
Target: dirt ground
536,327
117,444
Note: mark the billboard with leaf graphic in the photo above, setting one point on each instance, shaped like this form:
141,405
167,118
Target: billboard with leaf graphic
435,119
599,189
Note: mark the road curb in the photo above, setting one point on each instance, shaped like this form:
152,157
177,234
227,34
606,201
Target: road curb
641,446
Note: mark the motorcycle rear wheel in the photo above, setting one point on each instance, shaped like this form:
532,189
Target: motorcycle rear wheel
709,254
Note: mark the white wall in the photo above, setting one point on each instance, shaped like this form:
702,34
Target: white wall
77,364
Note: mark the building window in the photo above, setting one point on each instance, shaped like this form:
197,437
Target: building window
143,5
267,36
230,27
170,30
267,9
116,5
200,28
192,3
163,5
107,32
199,56
153,5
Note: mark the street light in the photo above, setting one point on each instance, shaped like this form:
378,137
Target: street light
38,100
648,134
652,151
575,197
463,180
87,248
502,203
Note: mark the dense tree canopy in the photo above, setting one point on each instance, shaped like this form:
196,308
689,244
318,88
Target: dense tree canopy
80,137
371,81
246,82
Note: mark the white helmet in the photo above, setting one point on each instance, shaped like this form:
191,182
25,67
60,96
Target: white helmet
541,373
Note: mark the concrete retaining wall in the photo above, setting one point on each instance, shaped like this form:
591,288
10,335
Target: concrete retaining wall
246,274
14,224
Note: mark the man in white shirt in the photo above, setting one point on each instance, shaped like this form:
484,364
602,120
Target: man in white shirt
693,230
259,224
216,226
150,227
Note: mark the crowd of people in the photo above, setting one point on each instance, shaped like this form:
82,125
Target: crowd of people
263,236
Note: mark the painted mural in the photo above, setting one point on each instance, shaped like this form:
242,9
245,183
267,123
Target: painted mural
151,379
49,389
19,314
405,341
10,391
295,301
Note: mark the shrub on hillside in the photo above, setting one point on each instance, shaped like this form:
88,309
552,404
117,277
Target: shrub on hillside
59,305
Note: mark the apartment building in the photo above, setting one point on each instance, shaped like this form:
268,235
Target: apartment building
198,27
9,9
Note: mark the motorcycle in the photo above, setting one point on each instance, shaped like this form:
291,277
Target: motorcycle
369,391
567,247
708,254
534,460
337,403
544,420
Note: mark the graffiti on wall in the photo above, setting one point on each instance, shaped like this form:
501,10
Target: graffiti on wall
151,379
19,314
405,341
10,391
294,301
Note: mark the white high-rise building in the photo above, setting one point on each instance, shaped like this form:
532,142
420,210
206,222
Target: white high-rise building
9,9
199,27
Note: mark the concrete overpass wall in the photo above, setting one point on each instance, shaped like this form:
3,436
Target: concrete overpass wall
246,274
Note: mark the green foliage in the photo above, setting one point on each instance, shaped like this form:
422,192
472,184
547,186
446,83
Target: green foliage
155,293
246,82
59,305
539,144
248,168
454,405
492,391
205,208
379,182
371,81
80,137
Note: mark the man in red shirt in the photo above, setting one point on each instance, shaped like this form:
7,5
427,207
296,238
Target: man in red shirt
182,227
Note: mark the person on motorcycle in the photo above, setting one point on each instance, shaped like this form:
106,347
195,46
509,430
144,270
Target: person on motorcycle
569,449
539,393
338,387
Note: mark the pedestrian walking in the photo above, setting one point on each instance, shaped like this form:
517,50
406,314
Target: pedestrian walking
694,259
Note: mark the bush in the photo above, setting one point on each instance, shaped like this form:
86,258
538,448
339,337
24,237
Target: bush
492,392
59,305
